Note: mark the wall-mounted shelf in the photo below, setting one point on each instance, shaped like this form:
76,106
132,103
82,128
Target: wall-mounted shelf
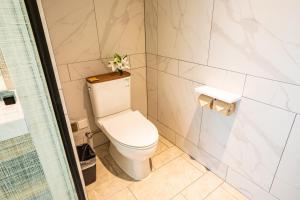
219,94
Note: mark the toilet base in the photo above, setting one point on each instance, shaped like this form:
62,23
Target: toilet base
136,169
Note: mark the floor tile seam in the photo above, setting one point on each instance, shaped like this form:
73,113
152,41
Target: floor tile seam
231,192
128,187
214,190
194,165
167,144
180,192
161,152
168,161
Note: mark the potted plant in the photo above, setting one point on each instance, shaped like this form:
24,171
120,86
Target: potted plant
119,63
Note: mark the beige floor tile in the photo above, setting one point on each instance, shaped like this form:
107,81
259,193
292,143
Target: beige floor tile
175,171
160,148
164,183
194,163
110,187
110,179
165,141
178,197
220,194
202,187
122,195
234,192
165,157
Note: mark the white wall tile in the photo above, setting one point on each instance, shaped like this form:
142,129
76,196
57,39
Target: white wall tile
249,189
120,26
63,73
152,92
202,157
163,130
247,39
179,35
287,180
256,141
167,65
250,141
178,106
137,60
151,61
151,25
139,90
82,70
78,102
72,28
216,129
275,93
222,79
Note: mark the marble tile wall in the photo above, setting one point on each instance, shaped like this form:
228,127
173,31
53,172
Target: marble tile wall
84,34
248,47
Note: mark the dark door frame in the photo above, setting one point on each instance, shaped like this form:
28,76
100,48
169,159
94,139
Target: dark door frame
41,43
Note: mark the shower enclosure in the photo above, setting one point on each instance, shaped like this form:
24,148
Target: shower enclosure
36,155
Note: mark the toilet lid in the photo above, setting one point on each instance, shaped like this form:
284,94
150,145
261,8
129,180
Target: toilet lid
130,129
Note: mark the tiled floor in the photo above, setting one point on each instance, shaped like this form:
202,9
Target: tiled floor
175,176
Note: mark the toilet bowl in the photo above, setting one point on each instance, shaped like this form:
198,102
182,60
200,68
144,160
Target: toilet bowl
133,141
133,138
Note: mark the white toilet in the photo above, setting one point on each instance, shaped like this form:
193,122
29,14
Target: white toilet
133,138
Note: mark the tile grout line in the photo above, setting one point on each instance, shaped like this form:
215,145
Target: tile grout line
284,148
197,167
202,64
245,80
96,59
96,21
210,32
157,11
227,169
235,189
274,106
214,190
128,188
145,31
180,192
162,151
228,70
168,161
200,126
252,182
168,141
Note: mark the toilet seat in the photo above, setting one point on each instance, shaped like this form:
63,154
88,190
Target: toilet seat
130,129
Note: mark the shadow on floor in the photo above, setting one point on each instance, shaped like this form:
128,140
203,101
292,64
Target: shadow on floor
109,163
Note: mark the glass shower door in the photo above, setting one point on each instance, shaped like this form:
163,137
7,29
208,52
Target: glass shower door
33,162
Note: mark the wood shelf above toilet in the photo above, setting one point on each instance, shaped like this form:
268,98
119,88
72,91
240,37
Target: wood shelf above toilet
107,77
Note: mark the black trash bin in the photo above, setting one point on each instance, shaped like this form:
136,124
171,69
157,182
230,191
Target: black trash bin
87,159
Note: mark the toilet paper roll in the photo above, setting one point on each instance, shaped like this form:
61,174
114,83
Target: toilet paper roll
223,107
205,101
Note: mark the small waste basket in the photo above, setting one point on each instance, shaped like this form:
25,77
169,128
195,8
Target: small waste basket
87,159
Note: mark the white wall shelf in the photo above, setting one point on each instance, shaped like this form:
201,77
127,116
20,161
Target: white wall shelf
219,94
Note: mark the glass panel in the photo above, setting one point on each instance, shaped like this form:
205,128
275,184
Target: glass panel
33,163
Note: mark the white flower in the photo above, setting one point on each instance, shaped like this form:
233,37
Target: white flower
118,63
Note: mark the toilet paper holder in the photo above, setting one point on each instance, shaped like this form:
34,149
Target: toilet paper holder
217,99
217,105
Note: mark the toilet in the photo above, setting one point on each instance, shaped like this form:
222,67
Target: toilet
133,138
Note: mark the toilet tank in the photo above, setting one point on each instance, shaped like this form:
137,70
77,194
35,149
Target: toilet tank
109,93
